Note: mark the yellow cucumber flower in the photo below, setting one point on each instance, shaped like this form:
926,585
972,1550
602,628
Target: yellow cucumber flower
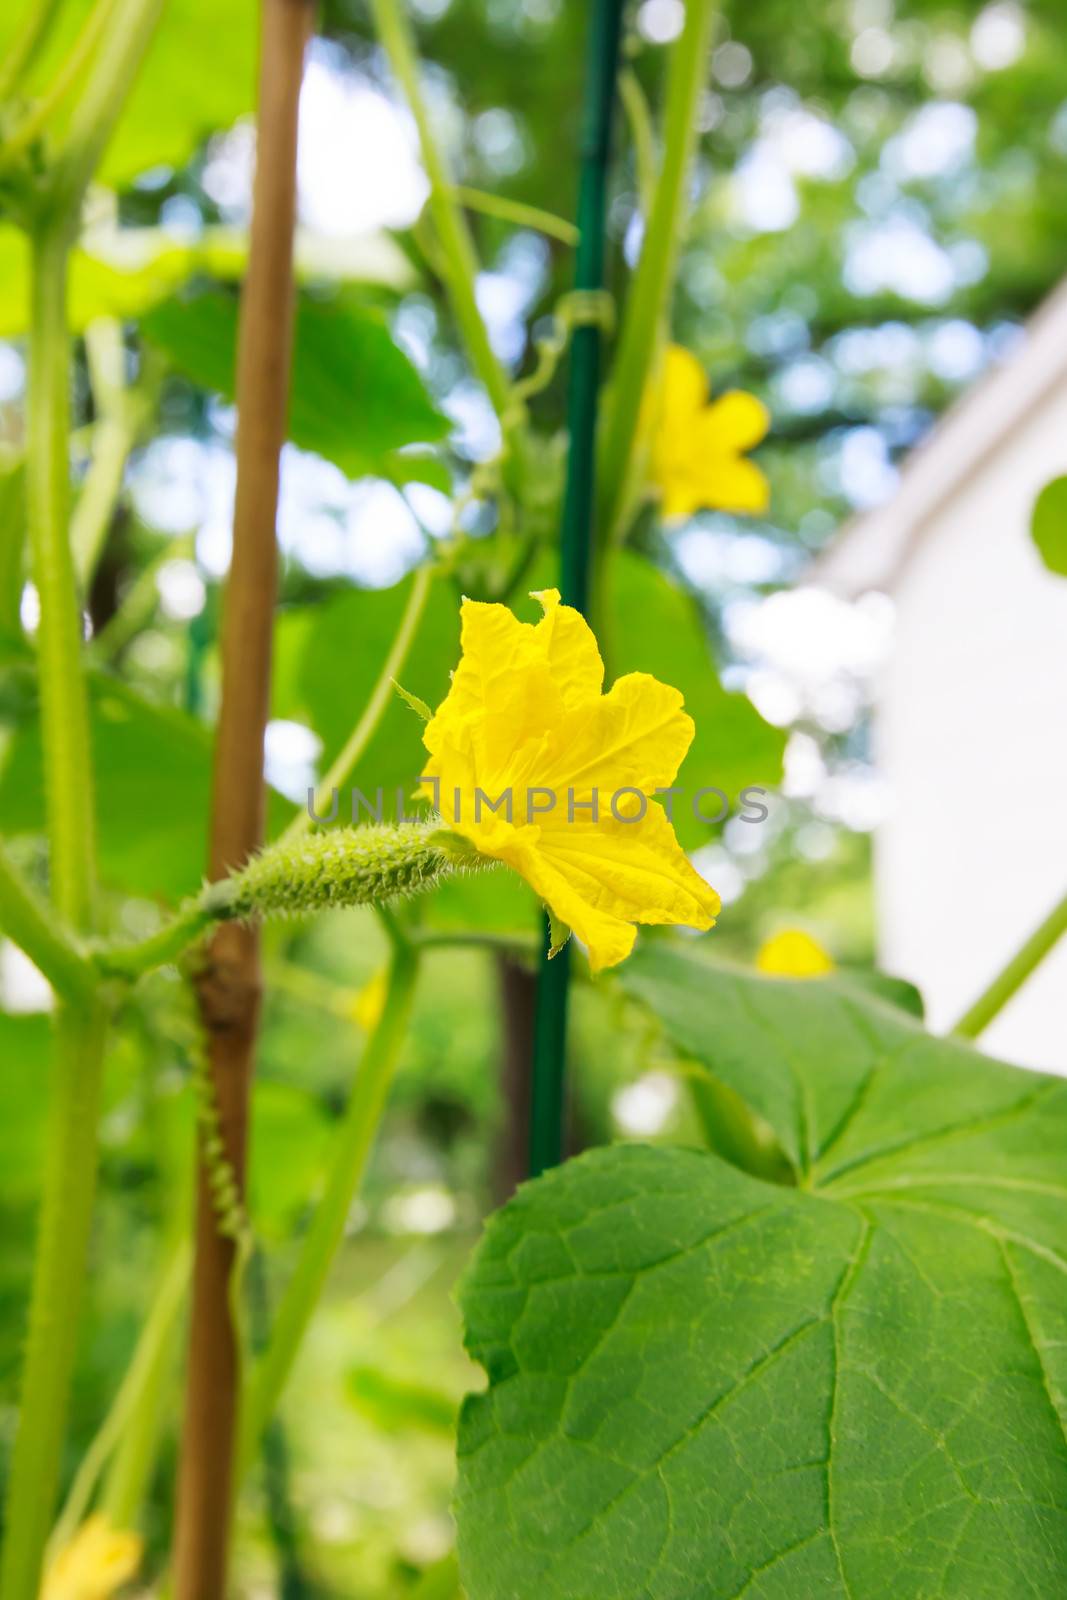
98,1560
794,954
526,729
697,459
369,1003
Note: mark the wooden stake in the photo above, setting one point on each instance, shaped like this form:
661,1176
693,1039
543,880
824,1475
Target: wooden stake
229,988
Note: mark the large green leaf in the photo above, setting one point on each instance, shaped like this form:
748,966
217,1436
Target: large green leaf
152,770
290,1144
122,272
355,398
329,659
198,76
657,629
704,1386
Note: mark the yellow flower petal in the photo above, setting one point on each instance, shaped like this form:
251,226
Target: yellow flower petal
683,387
636,737
794,954
681,495
570,650
736,421
98,1560
729,483
501,692
634,870
369,1003
696,450
602,878
535,719
608,939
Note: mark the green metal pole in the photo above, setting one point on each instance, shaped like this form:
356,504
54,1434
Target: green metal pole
550,1023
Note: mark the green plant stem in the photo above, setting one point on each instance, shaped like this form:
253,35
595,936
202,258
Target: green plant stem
309,988
12,541
457,247
1011,978
128,1477
131,1421
162,948
131,26
59,1277
64,704
647,301
70,1164
367,866
515,211
30,923
352,1148
75,64
642,137
343,767
547,1108
518,944
113,439
75,1090
140,601
119,419
23,49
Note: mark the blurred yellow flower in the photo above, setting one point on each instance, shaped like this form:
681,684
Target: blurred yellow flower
794,954
537,767
697,458
97,1561
369,1003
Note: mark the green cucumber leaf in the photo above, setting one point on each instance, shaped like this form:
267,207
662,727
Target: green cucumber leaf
125,271
198,76
355,397
152,767
704,1386
1048,525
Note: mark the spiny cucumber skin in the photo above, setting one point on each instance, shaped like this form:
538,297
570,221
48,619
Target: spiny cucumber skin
339,867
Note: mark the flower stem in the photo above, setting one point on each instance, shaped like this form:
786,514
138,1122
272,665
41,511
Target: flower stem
354,1140
1011,978
161,948
366,866
650,290
460,260
363,732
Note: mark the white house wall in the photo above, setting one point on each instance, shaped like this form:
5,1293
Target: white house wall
972,735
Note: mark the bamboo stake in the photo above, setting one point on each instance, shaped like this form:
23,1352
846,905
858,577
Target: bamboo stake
229,987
